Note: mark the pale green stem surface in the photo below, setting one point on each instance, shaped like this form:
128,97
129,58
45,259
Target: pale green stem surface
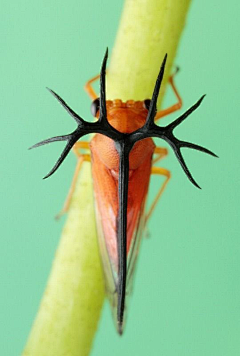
67,319
148,30
71,306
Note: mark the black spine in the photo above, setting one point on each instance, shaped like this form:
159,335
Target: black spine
122,229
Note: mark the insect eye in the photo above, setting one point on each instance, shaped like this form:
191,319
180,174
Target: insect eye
95,107
146,104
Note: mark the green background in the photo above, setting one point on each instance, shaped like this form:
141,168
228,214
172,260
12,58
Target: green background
186,298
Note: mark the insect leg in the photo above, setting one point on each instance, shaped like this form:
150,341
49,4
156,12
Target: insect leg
160,153
174,107
89,89
80,159
80,145
167,174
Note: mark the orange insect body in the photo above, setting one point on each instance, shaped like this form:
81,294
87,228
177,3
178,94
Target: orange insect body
121,155
126,118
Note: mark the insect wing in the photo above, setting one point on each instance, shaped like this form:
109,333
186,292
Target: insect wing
106,207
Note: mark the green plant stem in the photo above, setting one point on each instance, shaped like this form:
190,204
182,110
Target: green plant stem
71,306
67,319
148,30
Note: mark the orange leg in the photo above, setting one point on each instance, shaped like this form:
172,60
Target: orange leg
80,159
160,153
84,145
167,174
89,89
174,107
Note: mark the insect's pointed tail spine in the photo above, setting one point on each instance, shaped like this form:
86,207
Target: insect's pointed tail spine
122,230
